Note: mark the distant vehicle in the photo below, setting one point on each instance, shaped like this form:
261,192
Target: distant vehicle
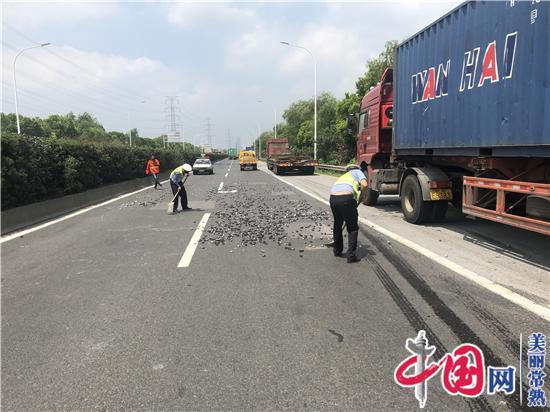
203,165
281,160
247,160
467,124
206,148
233,153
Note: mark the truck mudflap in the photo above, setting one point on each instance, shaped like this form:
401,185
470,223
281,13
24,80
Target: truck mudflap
505,201
434,182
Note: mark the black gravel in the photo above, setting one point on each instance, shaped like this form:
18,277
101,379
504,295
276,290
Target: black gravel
261,216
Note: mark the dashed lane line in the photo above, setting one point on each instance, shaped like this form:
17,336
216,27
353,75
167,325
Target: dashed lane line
185,260
220,187
24,232
516,298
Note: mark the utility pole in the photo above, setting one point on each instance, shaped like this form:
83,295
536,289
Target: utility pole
172,109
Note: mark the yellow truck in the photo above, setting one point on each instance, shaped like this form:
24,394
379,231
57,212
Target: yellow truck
247,160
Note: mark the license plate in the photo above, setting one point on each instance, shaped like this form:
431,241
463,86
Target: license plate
441,194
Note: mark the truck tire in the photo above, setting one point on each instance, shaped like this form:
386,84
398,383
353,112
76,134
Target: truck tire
371,196
415,209
439,210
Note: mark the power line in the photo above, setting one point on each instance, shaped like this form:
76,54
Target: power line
80,68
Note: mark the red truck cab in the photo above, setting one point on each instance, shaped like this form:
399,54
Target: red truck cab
374,134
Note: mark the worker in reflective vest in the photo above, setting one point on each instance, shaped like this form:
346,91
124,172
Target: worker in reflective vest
345,196
176,183
153,168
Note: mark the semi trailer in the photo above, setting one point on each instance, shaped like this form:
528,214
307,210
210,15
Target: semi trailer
280,158
463,116
233,153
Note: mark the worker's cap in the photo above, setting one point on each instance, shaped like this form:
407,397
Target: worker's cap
351,166
187,167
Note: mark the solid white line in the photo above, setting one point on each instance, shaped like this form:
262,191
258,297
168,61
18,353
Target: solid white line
501,291
226,174
185,260
227,191
69,216
220,187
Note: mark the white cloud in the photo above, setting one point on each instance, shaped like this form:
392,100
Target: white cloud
339,54
41,13
194,15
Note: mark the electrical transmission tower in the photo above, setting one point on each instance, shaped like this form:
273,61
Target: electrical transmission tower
172,111
208,132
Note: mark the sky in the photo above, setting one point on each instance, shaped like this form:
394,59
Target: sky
223,60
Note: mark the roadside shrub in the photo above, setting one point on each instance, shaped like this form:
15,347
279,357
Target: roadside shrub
40,168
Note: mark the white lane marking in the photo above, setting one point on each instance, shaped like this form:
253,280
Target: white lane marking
185,260
227,191
70,215
226,174
501,291
220,187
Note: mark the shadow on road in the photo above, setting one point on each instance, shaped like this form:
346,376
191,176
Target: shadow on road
522,245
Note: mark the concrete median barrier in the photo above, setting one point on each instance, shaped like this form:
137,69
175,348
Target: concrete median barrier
28,215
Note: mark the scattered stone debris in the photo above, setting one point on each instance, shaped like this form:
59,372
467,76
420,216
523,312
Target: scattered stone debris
261,216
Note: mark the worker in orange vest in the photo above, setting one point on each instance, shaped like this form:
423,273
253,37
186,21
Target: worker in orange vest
153,167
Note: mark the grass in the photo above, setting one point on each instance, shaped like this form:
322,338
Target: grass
327,172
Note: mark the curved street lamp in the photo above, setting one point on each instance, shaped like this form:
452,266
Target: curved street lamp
314,93
15,80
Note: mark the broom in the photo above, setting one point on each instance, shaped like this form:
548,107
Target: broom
171,204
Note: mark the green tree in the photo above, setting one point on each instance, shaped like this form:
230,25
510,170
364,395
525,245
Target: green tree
375,68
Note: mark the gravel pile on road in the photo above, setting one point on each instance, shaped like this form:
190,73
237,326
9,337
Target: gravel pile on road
259,215
151,198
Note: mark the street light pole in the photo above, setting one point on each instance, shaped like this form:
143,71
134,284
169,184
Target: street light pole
15,81
259,141
314,94
274,118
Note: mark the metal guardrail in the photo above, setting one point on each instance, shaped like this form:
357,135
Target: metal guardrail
332,167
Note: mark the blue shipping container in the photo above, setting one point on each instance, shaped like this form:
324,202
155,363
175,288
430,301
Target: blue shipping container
478,78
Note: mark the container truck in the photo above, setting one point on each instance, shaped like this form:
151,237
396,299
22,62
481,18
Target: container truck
280,158
464,117
233,153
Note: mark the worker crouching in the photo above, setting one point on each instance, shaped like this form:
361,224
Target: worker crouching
345,196
177,179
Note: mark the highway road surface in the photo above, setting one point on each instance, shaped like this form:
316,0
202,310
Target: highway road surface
238,305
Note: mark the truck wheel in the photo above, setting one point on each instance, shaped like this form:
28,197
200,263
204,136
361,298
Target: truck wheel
310,170
371,196
415,209
439,210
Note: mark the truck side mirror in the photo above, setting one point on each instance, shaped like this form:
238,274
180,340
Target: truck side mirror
352,124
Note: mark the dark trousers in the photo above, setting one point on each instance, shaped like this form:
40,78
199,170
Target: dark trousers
182,196
344,209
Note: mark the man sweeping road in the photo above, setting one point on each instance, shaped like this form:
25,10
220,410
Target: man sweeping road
177,178
345,196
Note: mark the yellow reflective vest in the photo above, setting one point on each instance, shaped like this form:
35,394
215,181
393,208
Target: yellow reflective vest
350,180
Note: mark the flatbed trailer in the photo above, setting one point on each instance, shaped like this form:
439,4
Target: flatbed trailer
289,163
280,158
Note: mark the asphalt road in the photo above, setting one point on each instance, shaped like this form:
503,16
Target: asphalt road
97,315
